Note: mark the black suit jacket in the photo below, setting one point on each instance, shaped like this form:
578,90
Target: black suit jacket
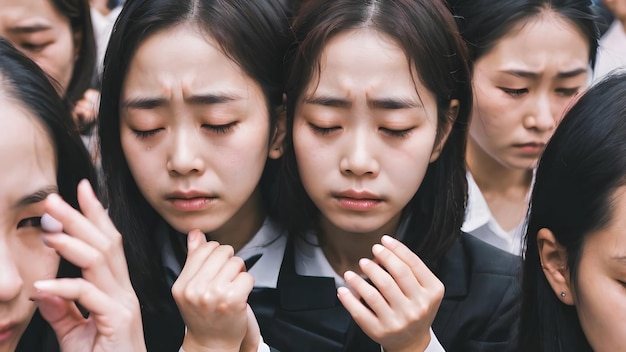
479,311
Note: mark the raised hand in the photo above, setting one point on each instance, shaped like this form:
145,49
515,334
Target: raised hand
212,293
402,301
92,243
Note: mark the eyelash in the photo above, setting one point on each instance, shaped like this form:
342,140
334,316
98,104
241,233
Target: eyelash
146,134
221,129
567,92
514,92
34,47
33,222
397,133
322,131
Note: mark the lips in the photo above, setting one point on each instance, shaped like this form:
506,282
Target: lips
190,200
358,200
6,332
530,148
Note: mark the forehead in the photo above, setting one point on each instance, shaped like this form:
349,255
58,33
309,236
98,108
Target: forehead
526,43
183,57
29,13
28,158
610,242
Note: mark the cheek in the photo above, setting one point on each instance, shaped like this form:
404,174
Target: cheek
38,264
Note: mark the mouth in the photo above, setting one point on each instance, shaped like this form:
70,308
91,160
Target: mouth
531,148
357,200
6,332
191,200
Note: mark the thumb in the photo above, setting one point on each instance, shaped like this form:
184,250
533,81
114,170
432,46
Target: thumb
194,239
252,339
62,315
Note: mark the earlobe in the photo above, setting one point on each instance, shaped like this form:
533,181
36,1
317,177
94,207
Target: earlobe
453,111
553,258
278,136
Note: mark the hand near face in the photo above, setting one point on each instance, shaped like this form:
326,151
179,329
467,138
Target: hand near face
212,293
403,298
92,243
85,112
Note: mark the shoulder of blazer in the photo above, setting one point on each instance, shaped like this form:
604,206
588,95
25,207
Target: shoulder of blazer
469,257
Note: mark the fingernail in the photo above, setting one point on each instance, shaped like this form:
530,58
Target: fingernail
386,239
342,291
43,285
349,275
50,224
364,261
85,183
376,249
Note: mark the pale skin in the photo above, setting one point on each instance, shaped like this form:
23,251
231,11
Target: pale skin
522,87
91,242
45,35
193,120
363,128
599,294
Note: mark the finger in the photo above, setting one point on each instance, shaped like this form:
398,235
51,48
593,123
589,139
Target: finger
210,269
385,283
360,313
62,315
74,223
425,277
95,212
84,292
370,295
397,271
194,239
77,252
194,261
230,270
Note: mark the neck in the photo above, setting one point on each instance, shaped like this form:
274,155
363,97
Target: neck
344,249
242,226
491,176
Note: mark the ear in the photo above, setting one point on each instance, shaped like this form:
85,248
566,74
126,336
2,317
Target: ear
78,40
554,264
278,135
451,114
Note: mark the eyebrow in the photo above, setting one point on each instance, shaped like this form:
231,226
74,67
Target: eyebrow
36,196
529,74
385,103
29,29
202,99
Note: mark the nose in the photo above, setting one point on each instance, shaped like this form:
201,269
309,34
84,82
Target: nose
543,115
185,154
359,156
11,283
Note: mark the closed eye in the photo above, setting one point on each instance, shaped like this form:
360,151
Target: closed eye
323,131
221,129
146,134
34,221
567,92
396,133
514,92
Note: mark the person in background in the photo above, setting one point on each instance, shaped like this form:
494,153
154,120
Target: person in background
575,269
523,80
612,48
378,100
43,161
191,121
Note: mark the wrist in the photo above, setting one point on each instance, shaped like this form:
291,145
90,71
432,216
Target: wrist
191,344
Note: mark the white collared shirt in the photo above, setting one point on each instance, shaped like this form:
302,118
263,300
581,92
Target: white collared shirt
479,222
611,50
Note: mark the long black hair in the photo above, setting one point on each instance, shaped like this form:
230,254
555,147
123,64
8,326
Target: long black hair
254,34
427,33
581,167
78,14
484,22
